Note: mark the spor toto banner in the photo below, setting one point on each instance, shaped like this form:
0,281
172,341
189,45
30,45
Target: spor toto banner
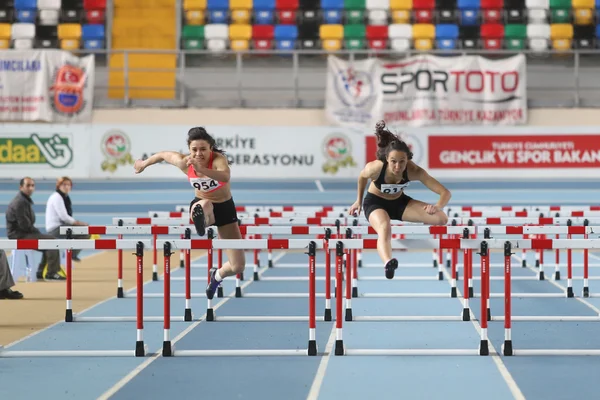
255,152
46,85
427,90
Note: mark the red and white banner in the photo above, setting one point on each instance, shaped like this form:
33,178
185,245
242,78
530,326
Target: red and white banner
516,152
427,90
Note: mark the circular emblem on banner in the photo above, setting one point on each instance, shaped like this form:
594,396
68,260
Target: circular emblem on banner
354,88
116,146
337,149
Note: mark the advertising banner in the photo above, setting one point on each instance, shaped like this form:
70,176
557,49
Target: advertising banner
427,90
254,152
46,85
44,151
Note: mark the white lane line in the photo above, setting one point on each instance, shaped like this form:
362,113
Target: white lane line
319,185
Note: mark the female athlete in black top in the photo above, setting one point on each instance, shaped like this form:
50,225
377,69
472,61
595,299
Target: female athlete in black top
390,174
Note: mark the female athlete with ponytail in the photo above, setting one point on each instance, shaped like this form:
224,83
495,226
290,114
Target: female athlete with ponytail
207,169
390,174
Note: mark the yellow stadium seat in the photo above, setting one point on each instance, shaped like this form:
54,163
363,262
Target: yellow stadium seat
240,16
583,4
583,16
4,43
423,36
240,4
332,31
239,36
194,5
5,31
401,16
70,44
194,17
331,44
145,4
401,4
69,31
561,36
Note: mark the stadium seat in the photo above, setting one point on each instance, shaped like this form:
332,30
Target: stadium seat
561,36
354,36
492,36
514,11
239,36
46,37
377,36
6,13
240,11
560,11
286,11
400,36
423,36
446,36
333,11
331,36
597,35
26,10
423,11
262,37
515,36
5,35
22,35
194,11
264,12
192,37
583,12
538,11
469,12
69,36
94,11
218,11
49,12
355,11
93,36
377,12
469,36
401,11
71,11
446,12
286,37
583,36
491,11
308,34
216,36
538,36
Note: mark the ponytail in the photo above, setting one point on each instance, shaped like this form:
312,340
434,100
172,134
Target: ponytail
387,141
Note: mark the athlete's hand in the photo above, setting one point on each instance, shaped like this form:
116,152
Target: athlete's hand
192,161
430,209
355,209
139,166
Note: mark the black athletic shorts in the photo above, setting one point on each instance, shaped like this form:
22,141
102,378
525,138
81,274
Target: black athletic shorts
394,208
224,212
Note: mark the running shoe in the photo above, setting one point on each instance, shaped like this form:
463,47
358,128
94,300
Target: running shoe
198,219
213,284
390,268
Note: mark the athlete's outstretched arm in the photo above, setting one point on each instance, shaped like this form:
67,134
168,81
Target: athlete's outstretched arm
431,183
370,171
172,157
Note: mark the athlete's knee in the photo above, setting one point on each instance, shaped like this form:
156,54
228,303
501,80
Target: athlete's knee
238,263
441,218
384,230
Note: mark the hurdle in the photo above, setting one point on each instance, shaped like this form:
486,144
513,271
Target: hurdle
141,348
311,350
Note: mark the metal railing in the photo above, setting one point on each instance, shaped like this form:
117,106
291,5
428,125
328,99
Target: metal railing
297,79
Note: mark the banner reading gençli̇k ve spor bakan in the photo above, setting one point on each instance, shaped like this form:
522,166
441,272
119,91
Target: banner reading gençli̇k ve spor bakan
518,151
428,90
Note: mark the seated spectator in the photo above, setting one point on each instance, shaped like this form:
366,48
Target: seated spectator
59,212
6,280
20,224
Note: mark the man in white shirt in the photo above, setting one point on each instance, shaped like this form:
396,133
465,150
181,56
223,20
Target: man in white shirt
59,212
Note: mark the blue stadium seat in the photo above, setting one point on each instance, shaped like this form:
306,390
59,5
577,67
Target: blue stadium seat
26,10
332,11
264,12
469,12
446,36
218,11
93,36
285,37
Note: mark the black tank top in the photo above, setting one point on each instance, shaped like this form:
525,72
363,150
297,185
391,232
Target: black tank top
391,188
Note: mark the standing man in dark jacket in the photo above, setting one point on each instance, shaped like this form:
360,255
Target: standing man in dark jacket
20,221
